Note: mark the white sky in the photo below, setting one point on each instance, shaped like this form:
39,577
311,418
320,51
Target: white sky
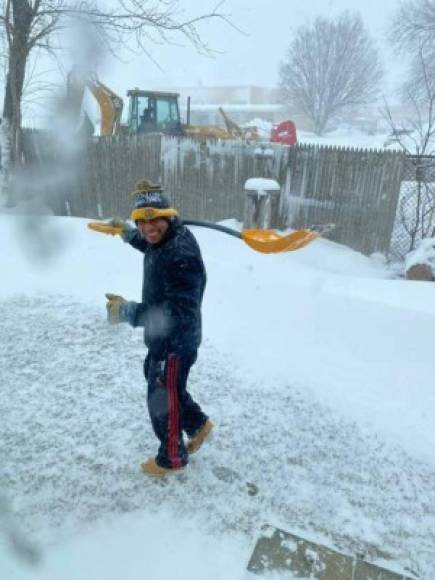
250,58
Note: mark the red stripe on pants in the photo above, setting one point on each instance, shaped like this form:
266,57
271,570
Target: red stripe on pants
173,416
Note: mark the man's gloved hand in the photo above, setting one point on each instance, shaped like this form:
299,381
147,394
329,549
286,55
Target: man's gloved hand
114,307
127,229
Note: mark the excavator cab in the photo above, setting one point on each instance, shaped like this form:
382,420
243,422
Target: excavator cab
154,112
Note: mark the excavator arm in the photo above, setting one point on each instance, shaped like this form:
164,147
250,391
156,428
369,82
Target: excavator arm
110,104
237,132
232,127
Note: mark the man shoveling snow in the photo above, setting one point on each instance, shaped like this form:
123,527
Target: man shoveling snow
174,280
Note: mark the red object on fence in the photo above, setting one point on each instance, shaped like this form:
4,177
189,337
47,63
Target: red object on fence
285,133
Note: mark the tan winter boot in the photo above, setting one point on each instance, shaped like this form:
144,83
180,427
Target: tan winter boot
150,467
197,440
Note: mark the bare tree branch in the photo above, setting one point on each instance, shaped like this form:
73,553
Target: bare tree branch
416,136
414,24
330,67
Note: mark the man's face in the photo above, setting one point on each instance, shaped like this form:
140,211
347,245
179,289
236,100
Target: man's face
153,230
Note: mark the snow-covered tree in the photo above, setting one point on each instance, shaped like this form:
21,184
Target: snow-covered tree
331,67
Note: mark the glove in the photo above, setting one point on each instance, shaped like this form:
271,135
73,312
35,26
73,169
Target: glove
115,305
127,230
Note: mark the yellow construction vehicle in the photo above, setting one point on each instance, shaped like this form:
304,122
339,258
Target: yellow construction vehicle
148,111
158,112
153,112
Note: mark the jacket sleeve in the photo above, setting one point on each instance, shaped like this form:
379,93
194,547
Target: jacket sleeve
129,312
134,313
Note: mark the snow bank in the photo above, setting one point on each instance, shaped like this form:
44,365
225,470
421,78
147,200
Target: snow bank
423,254
136,546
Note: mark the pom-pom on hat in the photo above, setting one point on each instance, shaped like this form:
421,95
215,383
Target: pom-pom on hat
150,203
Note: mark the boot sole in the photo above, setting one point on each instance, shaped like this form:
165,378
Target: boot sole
169,472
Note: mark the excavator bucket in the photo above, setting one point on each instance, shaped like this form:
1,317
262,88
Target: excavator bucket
269,242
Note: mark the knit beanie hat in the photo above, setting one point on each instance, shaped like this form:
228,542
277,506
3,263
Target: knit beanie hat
150,203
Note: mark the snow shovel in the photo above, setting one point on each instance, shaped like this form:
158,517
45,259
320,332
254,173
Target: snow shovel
264,241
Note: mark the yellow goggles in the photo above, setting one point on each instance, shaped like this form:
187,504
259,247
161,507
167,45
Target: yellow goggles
151,213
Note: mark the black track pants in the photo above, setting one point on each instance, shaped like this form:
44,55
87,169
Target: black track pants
172,410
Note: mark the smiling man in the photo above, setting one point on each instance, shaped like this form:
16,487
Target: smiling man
174,280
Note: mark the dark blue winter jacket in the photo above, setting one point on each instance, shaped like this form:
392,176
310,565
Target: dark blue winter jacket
174,280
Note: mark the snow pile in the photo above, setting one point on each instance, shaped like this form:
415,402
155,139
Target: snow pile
423,254
264,128
316,367
347,137
261,185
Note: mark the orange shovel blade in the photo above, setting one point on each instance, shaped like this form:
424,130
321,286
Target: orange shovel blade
269,242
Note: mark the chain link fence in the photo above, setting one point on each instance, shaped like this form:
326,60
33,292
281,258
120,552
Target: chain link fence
415,217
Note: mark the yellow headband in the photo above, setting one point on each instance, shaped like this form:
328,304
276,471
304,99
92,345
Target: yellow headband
151,213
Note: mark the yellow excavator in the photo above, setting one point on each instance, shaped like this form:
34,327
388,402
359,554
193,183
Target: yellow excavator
158,112
148,112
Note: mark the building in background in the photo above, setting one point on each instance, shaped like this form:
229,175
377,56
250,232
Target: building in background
244,103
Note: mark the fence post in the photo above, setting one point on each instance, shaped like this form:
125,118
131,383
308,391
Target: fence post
261,203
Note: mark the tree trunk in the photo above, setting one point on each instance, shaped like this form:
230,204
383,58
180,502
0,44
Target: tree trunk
6,163
18,52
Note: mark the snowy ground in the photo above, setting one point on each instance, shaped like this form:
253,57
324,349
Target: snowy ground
317,369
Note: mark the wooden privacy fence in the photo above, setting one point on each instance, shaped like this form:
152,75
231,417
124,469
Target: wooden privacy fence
355,189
